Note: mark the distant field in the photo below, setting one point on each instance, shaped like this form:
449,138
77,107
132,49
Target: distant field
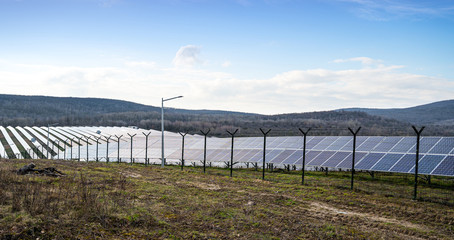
122,201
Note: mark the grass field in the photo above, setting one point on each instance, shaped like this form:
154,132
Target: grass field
122,201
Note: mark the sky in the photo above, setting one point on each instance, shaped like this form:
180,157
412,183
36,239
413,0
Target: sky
259,56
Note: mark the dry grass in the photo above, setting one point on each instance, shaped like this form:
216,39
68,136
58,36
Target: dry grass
120,201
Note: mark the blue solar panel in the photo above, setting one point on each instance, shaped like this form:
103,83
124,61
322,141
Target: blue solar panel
369,144
336,159
427,143
387,144
296,142
368,161
428,163
321,158
282,156
405,145
340,143
291,142
310,144
271,155
250,155
404,164
446,167
310,155
347,162
387,161
444,146
322,145
359,140
293,159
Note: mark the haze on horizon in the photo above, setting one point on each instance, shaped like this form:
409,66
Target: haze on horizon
263,56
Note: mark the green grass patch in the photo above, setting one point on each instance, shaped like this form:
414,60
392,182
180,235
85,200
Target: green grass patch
123,201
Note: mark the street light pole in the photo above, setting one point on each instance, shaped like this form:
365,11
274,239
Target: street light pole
162,127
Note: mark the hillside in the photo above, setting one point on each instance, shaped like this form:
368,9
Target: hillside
440,113
39,107
41,110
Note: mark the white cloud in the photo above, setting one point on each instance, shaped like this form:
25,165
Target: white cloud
375,85
187,56
363,60
226,64
143,64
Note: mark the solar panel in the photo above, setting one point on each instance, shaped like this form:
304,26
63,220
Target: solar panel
272,154
198,155
273,142
321,158
240,153
404,164
387,144
225,155
369,144
291,142
444,146
310,155
310,143
427,143
294,157
210,152
404,146
250,156
325,143
368,161
387,161
339,143
282,156
428,163
359,140
216,155
446,167
256,142
347,162
334,160
376,153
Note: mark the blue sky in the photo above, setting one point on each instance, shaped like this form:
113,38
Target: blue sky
263,56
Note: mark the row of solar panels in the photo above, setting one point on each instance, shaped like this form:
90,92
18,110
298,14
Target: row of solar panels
389,154
431,145
371,161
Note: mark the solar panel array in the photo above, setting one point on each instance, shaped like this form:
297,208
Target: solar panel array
373,153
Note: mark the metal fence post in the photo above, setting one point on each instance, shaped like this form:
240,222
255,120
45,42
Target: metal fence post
205,148
118,149
132,136
182,149
231,151
88,138
353,155
107,148
147,162
264,150
304,153
418,137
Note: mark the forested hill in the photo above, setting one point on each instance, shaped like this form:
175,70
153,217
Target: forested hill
40,110
440,113
41,107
